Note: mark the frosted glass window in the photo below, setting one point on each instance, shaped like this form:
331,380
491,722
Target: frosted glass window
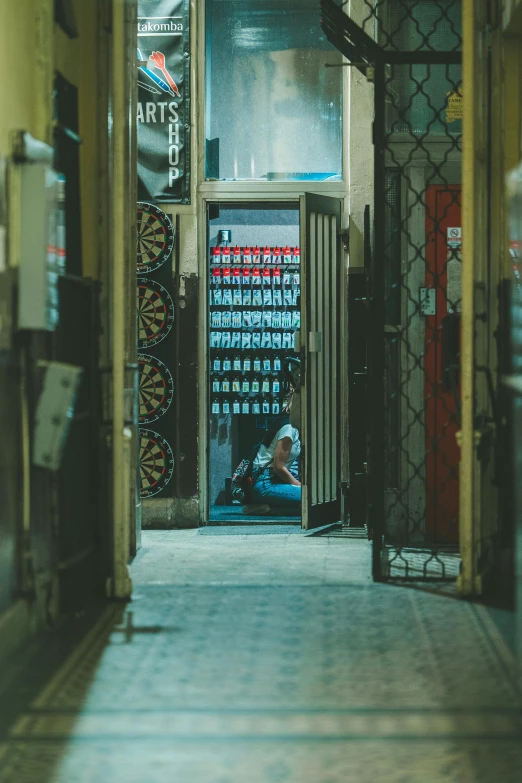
273,110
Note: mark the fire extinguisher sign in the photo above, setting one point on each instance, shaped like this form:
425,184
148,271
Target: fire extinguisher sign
163,61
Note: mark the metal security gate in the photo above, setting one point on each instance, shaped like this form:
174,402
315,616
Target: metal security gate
410,50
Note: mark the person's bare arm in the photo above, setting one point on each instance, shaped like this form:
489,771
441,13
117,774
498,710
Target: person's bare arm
281,455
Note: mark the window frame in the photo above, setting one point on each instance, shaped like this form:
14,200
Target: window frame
284,189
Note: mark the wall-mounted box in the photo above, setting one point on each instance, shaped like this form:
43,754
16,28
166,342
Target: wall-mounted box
42,246
54,413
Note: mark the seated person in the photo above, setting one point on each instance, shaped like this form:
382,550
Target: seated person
276,487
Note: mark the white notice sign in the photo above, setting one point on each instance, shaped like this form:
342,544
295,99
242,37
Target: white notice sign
454,236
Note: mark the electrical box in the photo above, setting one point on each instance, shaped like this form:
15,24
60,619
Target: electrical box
42,246
54,412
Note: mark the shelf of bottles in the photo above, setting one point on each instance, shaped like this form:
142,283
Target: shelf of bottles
254,314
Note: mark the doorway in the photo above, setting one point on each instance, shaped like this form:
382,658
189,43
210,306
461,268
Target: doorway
254,298
274,283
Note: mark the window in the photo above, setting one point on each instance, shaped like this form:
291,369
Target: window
67,162
273,110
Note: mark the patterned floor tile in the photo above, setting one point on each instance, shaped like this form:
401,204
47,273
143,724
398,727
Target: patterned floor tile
249,671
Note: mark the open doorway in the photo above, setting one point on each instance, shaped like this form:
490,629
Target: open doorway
254,315
274,295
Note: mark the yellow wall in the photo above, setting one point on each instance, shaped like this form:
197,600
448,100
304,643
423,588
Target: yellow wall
17,46
25,106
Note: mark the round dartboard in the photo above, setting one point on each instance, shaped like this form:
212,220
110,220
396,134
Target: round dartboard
156,388
155,238
155,313
156,463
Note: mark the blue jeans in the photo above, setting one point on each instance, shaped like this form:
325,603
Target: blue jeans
283,498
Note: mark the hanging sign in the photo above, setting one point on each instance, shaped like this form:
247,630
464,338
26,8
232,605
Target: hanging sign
454,105
454,269
454,280
163,62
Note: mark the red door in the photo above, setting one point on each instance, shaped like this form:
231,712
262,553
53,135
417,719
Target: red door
442,334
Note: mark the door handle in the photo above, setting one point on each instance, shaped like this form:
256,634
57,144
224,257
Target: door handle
315,342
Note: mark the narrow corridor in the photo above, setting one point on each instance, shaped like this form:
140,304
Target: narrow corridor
268,658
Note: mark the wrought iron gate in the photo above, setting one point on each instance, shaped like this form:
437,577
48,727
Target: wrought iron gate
411,50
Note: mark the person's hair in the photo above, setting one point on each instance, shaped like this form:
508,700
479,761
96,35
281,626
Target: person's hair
289,396
279,422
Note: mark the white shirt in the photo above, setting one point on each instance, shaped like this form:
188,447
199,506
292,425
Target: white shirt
265,454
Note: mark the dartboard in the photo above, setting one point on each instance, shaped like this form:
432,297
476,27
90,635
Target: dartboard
156,463
156,388
155,313
155,238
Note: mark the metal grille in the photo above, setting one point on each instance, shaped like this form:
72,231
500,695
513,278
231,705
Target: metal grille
410,50
413,25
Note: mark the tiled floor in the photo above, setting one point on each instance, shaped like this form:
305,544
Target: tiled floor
271,659
234,515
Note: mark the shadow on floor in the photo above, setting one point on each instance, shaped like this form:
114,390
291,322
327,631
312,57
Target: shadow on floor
271,659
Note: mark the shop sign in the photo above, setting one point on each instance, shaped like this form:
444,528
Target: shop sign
163,101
